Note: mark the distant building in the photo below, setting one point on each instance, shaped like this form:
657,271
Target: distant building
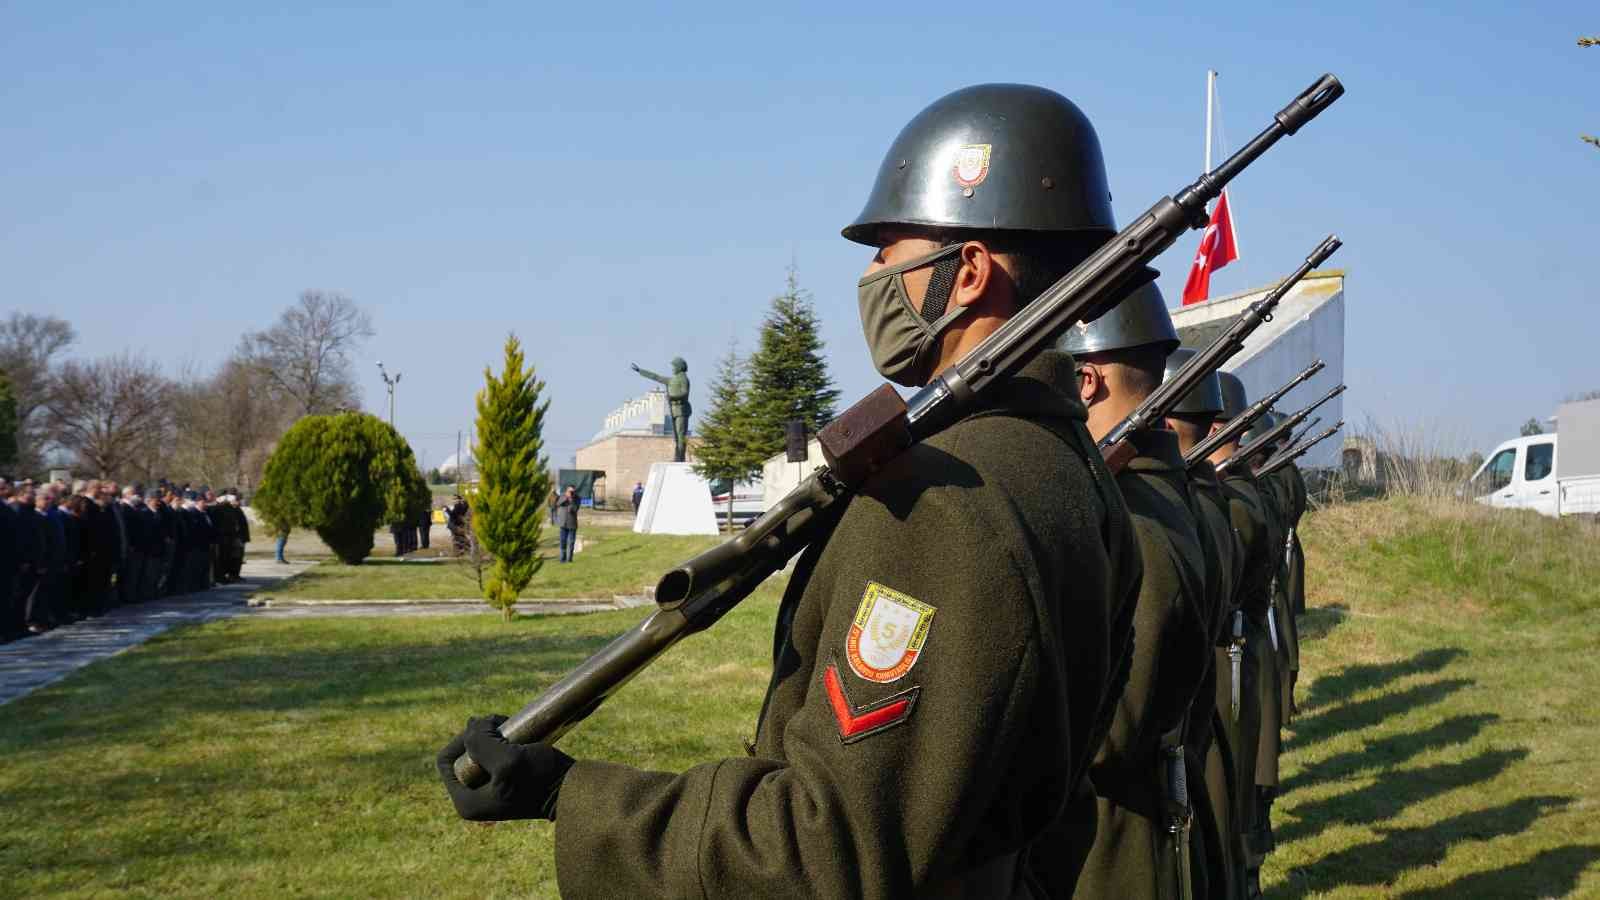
466,463
1307,325
635,434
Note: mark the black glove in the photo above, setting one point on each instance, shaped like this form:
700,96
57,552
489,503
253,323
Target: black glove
524,779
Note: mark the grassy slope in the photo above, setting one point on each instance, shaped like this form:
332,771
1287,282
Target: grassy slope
1446,707
613,561
1442,750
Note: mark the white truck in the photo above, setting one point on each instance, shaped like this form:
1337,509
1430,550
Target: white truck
1552,474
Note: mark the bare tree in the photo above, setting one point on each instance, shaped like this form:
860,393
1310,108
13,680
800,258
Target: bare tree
28,347
305,355
112,414
227,424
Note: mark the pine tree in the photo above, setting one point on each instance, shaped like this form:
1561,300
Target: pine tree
729,448
788,375
513,477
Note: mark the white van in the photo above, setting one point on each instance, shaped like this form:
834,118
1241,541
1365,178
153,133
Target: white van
1552,474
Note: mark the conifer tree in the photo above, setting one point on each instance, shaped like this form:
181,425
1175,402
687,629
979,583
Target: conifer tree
729,447
8,423
513,477
788,375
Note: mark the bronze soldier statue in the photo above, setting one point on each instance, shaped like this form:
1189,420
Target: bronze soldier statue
677,403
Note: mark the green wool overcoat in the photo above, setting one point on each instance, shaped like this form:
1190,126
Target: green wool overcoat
941,659
1214,733
1132,855
1249,520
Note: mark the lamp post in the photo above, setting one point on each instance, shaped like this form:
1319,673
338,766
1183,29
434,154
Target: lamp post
389,383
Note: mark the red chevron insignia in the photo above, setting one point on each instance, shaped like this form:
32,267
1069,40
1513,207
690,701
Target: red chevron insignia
855,724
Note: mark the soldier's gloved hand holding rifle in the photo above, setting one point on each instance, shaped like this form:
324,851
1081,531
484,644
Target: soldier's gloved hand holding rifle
524,779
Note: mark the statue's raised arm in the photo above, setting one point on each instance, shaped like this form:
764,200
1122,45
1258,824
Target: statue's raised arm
651,375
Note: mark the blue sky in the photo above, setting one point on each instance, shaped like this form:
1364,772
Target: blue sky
622,183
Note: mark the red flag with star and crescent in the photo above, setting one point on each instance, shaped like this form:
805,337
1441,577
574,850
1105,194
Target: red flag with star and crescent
1217,249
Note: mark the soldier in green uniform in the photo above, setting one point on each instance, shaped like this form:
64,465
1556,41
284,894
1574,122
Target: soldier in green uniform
1281,495
1141,841
1255,523
1291,487
944,653
1215,735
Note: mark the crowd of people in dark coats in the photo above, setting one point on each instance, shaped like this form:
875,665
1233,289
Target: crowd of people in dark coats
71,552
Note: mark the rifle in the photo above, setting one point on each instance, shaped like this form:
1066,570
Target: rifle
1303,432
1238,424
693,596
1117,446
1261,443
1289,456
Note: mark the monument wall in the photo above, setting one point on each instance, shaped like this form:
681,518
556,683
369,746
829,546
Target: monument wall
626,458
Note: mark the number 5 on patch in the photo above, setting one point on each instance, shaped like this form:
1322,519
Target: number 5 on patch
887,635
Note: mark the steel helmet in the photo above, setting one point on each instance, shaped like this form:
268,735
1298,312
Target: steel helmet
1203,398
1233,396
1141,318
1267,422
993,157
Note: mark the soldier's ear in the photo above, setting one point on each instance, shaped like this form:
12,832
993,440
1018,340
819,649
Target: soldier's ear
976,275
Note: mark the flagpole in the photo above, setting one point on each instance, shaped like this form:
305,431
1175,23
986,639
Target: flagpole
1211,91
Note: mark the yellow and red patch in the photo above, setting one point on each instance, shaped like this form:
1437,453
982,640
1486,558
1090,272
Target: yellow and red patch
887,635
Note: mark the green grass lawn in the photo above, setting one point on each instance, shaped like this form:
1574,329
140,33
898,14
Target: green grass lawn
1447,711
614,561
1442,749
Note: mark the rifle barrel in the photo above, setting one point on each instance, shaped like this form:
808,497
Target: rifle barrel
1245,453
1170,392
1237,425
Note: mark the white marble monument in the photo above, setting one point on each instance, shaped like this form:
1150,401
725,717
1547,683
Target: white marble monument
677,500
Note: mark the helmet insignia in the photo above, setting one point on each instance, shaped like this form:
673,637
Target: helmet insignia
972,164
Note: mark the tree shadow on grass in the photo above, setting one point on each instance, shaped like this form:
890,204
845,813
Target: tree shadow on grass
1318,622
1395,791
1553,873
1390,751
1349,718
1350,680
1378,863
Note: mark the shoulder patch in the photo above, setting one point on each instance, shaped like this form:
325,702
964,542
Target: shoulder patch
855,722
887,635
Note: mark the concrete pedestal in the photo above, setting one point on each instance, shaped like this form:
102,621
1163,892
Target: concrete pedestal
676,501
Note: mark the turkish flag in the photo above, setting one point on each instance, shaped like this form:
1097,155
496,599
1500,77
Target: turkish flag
1217,249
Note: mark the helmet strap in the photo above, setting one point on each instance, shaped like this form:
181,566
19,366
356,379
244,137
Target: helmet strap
940,286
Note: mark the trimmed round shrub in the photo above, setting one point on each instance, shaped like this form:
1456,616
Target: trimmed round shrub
342,476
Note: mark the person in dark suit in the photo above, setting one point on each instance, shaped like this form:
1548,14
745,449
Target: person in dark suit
72,528
424,525
31,562
129,512
110,540
10,557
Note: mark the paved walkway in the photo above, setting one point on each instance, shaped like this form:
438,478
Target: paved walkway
32,663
